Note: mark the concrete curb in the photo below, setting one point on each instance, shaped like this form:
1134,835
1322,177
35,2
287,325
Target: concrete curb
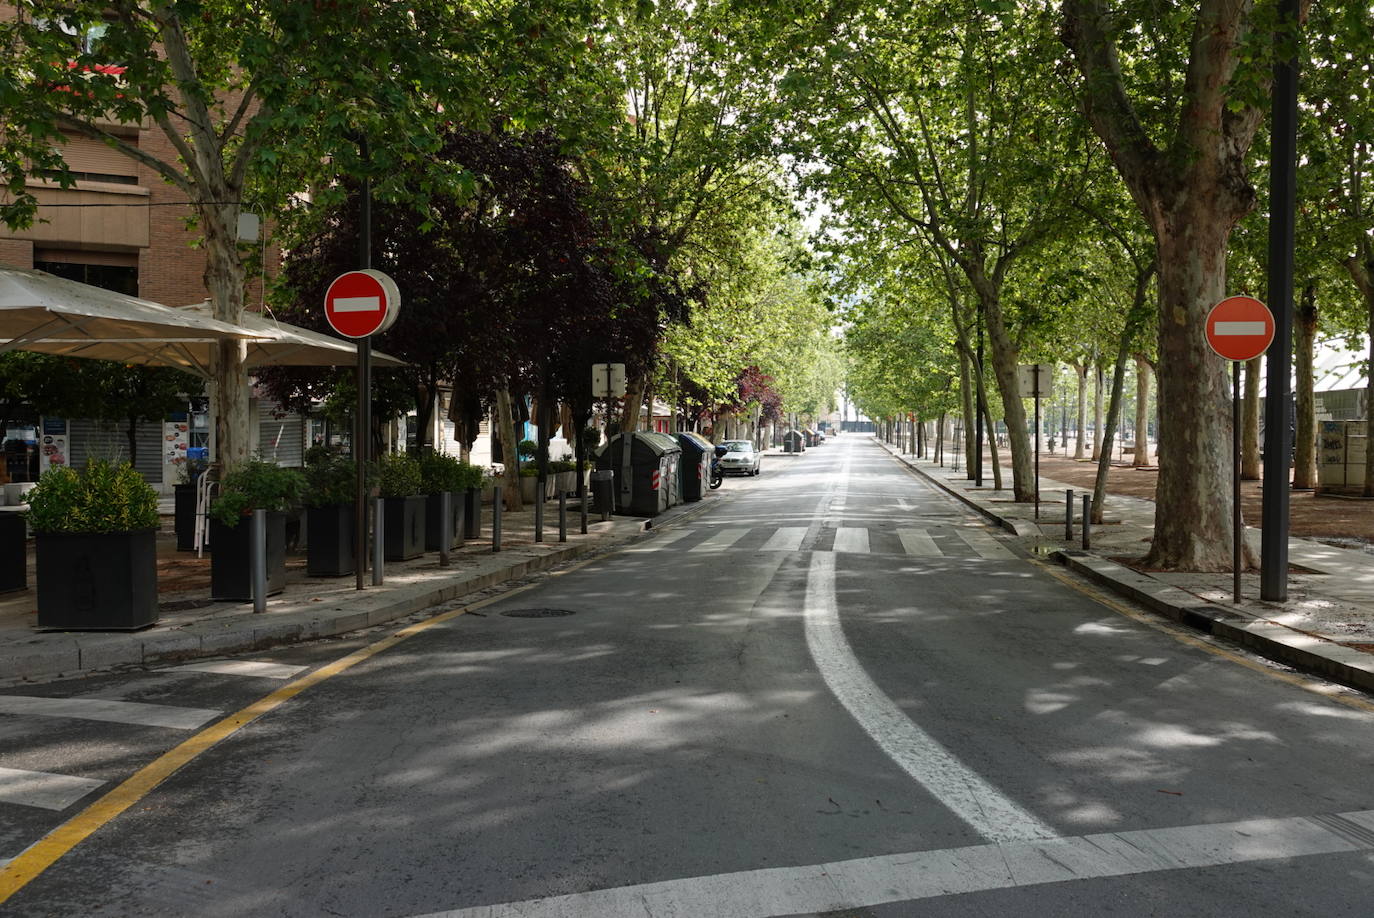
1274,642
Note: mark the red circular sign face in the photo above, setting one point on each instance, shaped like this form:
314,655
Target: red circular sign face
361,303
1240,328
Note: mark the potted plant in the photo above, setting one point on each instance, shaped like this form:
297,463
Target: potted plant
184,502
13,552
96,535
253,485
399,482
472,502
330,490
564,473
440,474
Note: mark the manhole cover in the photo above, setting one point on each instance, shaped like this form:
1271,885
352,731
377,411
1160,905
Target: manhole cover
537,613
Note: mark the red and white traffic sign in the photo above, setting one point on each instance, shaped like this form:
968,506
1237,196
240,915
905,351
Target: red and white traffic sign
362,303
1240,328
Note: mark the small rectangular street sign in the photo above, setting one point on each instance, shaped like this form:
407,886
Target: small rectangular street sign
1026,377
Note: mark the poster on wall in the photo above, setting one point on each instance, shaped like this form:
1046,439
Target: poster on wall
52,444
176,437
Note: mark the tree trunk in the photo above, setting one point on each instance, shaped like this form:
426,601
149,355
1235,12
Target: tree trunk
1080,372
1098,386
1141,459
1104,459
225,278
505,421
1361,269
1305,437
967,399
634,396
132,434
1193,497
1004,357
991,440
1249,412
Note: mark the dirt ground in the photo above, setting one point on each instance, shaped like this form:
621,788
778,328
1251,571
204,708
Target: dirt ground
1311,515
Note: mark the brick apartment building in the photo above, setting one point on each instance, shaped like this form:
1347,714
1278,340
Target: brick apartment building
123,228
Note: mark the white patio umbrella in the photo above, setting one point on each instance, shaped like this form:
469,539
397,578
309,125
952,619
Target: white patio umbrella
41,312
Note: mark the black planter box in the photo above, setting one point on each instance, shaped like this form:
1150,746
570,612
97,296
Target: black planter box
184,521
103,581
231,565
329,547
13,553
472,513
433,513
405,527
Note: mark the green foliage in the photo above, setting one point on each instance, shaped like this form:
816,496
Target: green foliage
331,478
591,440
562,465
102,497
440,472
256,485
527,449
398,475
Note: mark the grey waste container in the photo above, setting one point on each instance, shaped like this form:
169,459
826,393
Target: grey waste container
696,465
653,468
793,442
603,491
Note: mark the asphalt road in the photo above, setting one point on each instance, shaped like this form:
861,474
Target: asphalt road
837,693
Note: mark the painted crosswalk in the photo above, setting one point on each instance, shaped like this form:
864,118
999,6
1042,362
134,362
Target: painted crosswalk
52,791
944,541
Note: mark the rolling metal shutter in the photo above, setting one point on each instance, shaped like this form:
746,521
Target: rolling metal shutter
91,439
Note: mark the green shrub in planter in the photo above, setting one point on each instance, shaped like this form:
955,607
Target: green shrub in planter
400,481
560,465
440,473
96,536
252,485
331,481
256,485
102,497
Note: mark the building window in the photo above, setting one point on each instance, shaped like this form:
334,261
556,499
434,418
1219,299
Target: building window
110,179
119,278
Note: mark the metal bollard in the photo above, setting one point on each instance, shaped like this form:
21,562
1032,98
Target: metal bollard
562,515
495,519
1068,515
258,562
1087,522
445,526
378,541
586,495
539,512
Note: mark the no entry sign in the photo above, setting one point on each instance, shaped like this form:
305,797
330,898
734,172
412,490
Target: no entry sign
362,303
1240,328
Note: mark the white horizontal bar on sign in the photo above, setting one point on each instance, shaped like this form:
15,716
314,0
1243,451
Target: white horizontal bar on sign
358,304
1225,329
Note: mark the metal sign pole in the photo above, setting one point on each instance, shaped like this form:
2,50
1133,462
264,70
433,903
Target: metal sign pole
1035,388
1237,527
363,431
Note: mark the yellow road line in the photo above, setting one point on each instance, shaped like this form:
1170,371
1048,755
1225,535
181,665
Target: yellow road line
1180,634
37,858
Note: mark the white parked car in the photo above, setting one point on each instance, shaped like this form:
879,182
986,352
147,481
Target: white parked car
739,456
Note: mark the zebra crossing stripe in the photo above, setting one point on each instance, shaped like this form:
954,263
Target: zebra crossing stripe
851,539
254,668
721,540
918,543
43,790
654,543
116,712
787,538
984,544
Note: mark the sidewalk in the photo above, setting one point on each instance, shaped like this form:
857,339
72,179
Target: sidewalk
1326,626
310,607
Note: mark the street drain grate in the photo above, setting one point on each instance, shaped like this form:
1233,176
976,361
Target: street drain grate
537,613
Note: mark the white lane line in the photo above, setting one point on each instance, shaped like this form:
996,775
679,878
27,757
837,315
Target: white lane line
654,543
787,538
984,544
721,540
851,539
990,813
260,669
43,790
116,712
872,881
918,542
